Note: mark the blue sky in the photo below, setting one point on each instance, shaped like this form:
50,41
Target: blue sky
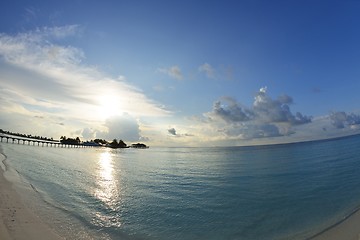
181,72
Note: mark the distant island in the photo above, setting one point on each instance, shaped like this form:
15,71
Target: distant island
77,141
114,144
139,145
101,143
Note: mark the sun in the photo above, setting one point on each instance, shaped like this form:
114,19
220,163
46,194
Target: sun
109,105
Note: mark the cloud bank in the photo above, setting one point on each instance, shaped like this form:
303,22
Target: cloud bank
40,76
342,120
266,118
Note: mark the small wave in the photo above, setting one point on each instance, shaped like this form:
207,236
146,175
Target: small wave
4,166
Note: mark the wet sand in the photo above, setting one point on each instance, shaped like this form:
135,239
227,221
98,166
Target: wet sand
16,220
348,229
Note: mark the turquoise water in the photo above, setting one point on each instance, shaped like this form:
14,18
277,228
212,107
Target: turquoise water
288,191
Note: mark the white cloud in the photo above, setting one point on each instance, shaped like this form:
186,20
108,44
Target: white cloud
39,77
266,118
123,127
88,133
276,110
253,132
264,109
208,70
268,121
174,72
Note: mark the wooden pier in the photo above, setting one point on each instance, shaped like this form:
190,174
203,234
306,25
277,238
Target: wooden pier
39,142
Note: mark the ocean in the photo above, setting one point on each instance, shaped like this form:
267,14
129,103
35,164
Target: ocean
290,191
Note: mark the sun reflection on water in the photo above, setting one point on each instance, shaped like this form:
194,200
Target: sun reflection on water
106,166
107,191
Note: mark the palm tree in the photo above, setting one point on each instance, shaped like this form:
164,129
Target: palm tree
114,143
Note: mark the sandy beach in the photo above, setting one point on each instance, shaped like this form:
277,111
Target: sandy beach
349,229
16,220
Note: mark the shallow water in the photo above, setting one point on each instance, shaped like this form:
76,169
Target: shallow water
267,192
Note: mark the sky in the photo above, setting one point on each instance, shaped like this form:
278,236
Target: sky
181,73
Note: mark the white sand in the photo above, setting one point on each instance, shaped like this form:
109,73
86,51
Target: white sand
16,220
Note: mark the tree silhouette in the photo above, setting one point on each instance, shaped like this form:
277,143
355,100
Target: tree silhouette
116,144
72,141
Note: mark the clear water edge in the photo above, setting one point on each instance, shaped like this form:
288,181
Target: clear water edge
54,215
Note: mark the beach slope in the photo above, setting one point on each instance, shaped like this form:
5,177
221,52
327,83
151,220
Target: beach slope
16,220
348,229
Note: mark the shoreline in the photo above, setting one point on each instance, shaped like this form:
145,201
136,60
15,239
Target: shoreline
345,229
17,221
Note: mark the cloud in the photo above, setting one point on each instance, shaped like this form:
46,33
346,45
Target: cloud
264,109
251,131
144,139
174,72
230,113
265,118
276,110
88,133
40,76
124,127
342,119
267,121
208,70
172,131
61,32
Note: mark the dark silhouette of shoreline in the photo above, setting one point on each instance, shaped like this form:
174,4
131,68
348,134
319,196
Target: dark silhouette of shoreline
77,141
27,136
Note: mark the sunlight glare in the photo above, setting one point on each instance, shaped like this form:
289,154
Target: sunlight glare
107,190
106,168
107,186
109,105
